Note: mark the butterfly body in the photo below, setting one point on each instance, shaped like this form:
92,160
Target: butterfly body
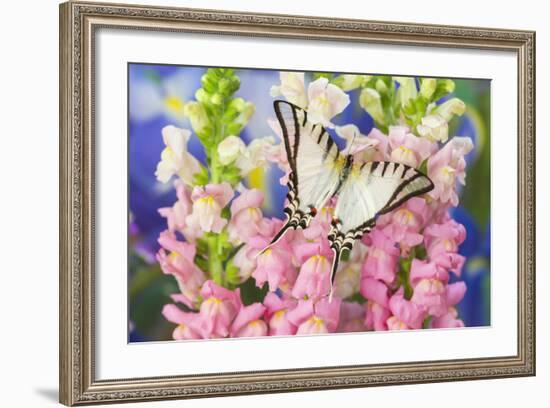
320,172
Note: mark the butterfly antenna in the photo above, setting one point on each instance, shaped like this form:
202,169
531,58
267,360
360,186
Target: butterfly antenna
352,141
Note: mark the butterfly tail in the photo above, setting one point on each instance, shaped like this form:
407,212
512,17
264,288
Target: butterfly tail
334,268
278,236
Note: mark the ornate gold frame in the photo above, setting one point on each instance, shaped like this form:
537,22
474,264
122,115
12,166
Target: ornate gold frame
78,22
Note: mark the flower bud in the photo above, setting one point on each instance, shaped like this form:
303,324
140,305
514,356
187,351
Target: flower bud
196,114
434,128
371,102
450,108
427,87
230,149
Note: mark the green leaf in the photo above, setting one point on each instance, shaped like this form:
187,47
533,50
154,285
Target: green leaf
232,274
201,178
426,322
250,293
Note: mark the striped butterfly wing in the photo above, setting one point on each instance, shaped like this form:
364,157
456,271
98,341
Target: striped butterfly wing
372,189
314,162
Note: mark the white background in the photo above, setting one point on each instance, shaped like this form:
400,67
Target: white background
117,359
28,216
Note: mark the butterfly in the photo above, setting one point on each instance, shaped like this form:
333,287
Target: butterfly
319,171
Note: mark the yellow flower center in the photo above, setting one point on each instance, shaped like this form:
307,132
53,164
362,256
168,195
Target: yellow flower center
279,314
448,174
404,216
208,200
322,101
316,321
404,150
174,104
449,246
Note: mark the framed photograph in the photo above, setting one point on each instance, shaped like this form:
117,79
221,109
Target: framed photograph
256,203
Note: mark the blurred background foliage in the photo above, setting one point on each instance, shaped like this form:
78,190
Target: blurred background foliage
157,95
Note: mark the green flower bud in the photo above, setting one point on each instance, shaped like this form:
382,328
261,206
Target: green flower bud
407,89
245,113
450,108
370,101
238,104
381,86
350,82
216,99
208,83
224,86
427,87
197,115
447,85
202,96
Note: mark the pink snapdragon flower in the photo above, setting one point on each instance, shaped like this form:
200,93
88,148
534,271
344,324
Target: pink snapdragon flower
245,260
175,215
177,258
442,243
314,276
248,322
208,202
314,318
276,314
447,166
348,276
406,314
319,226
374,147
382,257
454,294
429,283
185,322
352,318
246,215
404,224
274,265
218,309
377,308
407,148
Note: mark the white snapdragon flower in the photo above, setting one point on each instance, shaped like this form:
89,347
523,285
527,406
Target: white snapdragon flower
230,149
175,159
434,128
325,101
371,101
322,100
407,89
450,108
247,158
351,82
255,155
292,88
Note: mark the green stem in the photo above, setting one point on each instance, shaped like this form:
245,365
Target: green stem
215,173
219,135
215,266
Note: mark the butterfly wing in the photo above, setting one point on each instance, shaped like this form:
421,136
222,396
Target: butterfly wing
315,162
372,189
